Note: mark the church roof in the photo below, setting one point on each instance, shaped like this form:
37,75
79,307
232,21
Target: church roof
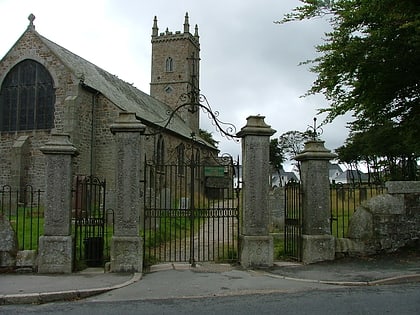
123,94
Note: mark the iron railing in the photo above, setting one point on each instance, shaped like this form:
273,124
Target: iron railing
190,216
345,198
24,210
293,220
89,220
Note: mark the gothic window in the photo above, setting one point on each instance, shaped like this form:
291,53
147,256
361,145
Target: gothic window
181,159
160,154
169,64
27,98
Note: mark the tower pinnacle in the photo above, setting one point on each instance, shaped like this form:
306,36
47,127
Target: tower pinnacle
155,29
186,24
196,30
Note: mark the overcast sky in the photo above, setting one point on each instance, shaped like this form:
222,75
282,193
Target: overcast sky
249,65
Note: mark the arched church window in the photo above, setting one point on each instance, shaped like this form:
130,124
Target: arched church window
27,98
169,64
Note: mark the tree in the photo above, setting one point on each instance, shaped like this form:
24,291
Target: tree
369,64
292,142
287,146
276,155
208,137
383,150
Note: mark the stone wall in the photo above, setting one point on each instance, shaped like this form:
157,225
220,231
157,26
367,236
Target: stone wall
385,223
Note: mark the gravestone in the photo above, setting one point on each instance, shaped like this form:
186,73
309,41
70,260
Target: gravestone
184,203
165,199
276,207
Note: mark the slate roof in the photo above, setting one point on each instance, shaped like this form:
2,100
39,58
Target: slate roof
352,175
121,93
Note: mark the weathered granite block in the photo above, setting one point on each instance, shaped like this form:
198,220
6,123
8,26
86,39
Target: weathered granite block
256,251
55,254
8,244
403,187
26,258
316,248
126,254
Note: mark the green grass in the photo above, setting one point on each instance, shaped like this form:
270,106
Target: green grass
167,229
344,202
278,242
28,226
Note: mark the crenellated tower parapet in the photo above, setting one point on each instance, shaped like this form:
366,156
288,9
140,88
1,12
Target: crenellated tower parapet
175,67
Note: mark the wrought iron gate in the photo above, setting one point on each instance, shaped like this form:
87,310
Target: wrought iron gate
191,210
89,220
293,221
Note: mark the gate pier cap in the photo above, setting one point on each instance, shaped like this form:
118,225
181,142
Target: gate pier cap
256,126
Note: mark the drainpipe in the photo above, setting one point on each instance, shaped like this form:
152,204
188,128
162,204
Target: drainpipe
92,129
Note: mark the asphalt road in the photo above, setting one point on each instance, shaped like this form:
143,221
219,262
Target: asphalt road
392,299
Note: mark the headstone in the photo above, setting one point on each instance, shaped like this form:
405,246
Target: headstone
165,199
276,206
184,203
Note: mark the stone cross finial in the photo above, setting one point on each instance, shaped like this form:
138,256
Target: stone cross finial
31,19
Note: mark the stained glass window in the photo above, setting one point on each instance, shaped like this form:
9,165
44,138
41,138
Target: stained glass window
27,98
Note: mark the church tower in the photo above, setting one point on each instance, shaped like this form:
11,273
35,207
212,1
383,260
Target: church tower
175,69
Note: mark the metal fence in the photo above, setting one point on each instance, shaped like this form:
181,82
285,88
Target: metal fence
89,218
293,220
24,210
345,198
191,214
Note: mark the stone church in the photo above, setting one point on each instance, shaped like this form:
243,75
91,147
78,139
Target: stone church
44,89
